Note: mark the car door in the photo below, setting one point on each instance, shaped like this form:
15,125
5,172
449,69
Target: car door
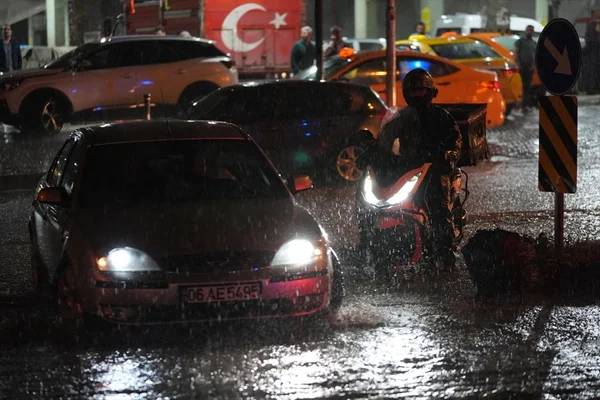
51,220
105,79
301,127
147,62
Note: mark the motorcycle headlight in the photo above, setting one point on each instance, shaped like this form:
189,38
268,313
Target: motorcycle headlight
296,252
126,259
398,197
404,191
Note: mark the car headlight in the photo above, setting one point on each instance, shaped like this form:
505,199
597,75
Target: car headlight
398,197
126,259
297,252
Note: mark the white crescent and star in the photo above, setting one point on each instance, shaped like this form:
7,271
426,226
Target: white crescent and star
229,31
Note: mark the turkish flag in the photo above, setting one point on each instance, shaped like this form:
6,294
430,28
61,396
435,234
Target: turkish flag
257,34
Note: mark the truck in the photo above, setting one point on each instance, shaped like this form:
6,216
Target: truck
257,34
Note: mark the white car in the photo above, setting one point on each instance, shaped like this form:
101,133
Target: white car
468,23
112,74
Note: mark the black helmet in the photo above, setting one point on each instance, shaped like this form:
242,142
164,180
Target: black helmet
418,78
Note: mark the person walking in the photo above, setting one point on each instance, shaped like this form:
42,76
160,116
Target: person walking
336,42
10,53
525,56
589,81
304,51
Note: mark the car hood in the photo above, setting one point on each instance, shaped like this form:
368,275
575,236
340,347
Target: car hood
29,73
233,226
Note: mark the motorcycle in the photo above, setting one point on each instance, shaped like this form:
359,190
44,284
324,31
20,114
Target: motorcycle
394,217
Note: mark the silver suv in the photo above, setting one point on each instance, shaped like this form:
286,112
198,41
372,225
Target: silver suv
114,74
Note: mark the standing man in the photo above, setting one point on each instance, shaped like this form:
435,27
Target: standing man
336,43
10,53
525,55
419,31
304,51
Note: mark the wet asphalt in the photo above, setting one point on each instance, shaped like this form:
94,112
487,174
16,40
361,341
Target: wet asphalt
430,337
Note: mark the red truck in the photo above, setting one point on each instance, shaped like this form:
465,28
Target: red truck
258,34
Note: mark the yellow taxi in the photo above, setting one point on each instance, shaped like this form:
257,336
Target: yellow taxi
477,54
505,45
456,83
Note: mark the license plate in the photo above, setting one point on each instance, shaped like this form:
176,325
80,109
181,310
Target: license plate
225,292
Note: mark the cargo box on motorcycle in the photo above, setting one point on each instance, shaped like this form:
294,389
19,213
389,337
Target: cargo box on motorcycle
471,121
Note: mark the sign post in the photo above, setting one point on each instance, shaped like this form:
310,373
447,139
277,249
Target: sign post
390,53
558,62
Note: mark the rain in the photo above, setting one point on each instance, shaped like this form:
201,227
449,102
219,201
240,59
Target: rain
297,310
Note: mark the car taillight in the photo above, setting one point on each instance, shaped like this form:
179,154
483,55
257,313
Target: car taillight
492,85
510,71
228,63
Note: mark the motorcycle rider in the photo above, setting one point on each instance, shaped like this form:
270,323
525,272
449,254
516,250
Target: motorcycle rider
420,133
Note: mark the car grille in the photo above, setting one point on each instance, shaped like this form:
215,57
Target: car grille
216,262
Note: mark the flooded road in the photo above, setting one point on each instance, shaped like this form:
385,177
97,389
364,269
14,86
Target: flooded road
431,337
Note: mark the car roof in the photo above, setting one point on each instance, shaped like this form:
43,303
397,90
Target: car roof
157,130
135,38
358,57
438,40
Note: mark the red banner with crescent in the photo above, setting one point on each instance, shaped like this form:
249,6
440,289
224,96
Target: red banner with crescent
258,34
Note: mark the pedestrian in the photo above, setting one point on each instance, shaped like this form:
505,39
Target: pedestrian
304,51
185,34
336,42
525,56
419,32
589,81
420,28
10,52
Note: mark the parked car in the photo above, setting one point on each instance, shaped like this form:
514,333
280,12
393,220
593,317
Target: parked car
170,221
456,83
304,126
476,54
113,74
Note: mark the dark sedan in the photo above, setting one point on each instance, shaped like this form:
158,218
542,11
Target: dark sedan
170,221
304,126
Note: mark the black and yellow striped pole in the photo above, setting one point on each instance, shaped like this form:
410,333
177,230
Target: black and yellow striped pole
557,171
558,61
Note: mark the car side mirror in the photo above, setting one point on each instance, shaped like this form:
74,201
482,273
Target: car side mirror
302,183
53,196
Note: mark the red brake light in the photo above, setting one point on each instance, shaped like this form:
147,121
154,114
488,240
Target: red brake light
492,85
510,71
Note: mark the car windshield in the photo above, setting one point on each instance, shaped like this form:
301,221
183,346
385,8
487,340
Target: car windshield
330,66
65,60
464,50
172,172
